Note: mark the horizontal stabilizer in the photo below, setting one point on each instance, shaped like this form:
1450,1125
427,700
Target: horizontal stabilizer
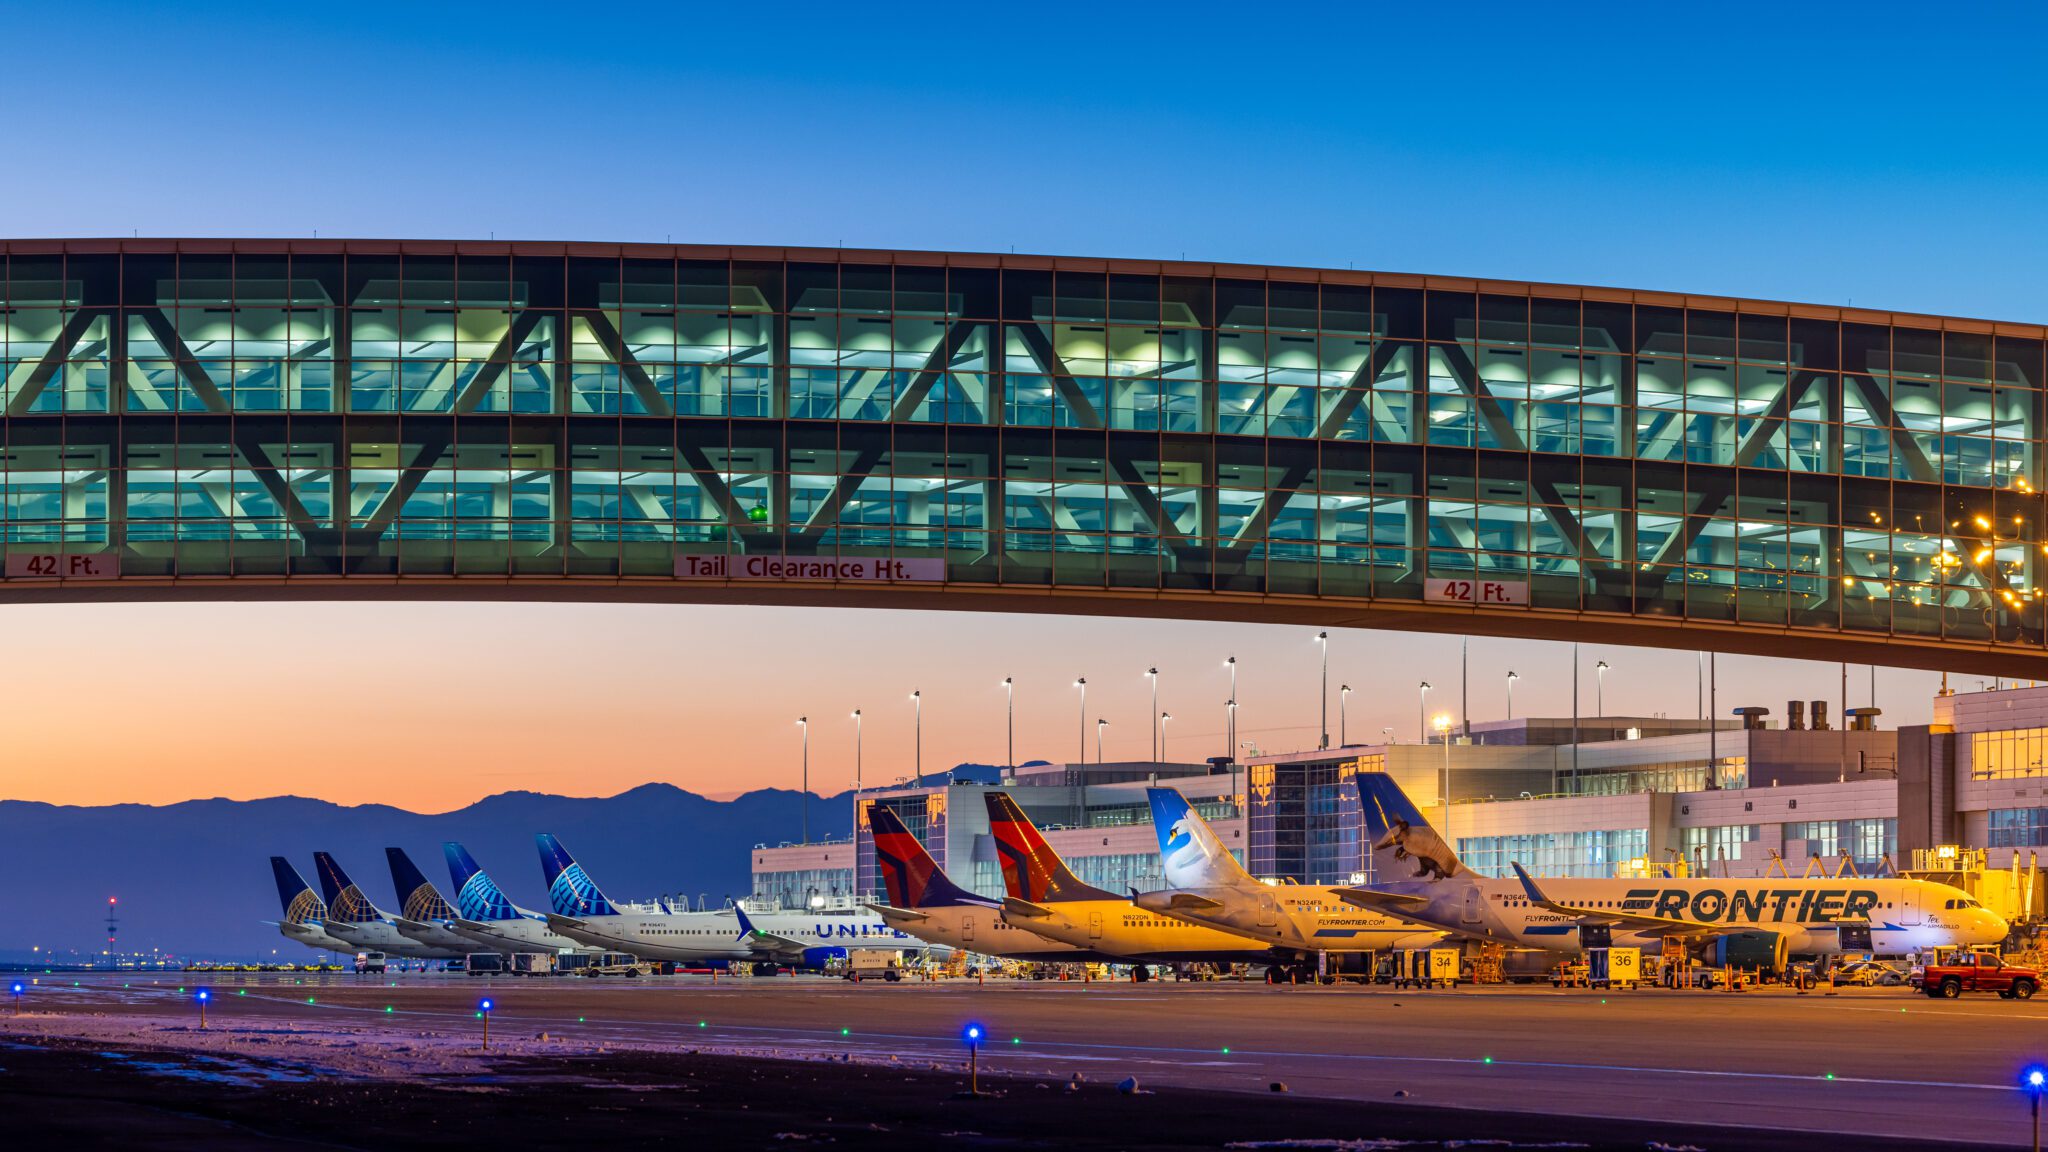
557,921
1025,908
898,915
1189,902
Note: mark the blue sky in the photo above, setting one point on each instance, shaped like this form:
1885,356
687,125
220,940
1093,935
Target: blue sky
1889,156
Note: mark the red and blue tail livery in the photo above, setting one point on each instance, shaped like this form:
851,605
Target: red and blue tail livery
1031,869
913,879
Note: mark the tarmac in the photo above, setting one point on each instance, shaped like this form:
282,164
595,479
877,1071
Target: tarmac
1858,1062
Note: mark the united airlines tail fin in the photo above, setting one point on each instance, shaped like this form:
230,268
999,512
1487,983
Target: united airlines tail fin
1031,869
345,902
912,878
1399,842
476,897
571,891
301,904
417,898
1189,852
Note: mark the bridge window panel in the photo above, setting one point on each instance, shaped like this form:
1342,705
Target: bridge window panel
594,388
1709,335
373,385
1814,344
1709,592
1659,331
1660,384
1761,339
1450,420
1603,431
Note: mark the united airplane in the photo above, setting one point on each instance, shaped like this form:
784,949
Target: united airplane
657,932
484,914
1207,886
926,904
353,918
304,911
1048,899
1752,923
424,915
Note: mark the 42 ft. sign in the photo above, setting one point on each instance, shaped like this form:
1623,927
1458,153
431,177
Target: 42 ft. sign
1468,590
62,566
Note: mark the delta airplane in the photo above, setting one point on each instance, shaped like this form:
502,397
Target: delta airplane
655,932
352,918
1754,922
485,915
424,914
926,904
1207,886
1048,899
304,911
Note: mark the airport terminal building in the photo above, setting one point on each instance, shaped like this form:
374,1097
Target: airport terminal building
1740,798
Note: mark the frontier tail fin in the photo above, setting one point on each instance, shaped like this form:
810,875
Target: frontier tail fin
476,897
1400,844
912,878
301,904
345,901
418,899
1031,869
571,891
1189,852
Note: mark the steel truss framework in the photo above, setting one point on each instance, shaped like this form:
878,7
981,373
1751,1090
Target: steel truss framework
464,419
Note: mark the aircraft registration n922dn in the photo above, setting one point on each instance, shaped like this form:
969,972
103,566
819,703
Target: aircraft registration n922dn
1206,885
1752,922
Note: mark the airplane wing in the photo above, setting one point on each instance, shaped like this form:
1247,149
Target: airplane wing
893,914
1603,917
765,942
1380,901
1025,908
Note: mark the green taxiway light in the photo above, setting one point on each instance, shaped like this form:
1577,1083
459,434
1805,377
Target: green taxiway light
387,1007
1831,1075
700,1023
1487,1060
579,1019
845,1031
1015,1040
241,992
309,999
1226,1051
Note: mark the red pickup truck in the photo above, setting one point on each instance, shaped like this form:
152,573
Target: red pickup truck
1979,972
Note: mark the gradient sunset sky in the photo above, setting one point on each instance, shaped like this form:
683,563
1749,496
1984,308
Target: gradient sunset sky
1869,156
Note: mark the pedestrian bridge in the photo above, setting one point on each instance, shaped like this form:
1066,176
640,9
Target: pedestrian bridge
525,421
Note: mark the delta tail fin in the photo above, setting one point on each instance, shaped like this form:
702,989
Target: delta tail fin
345,901
1032,871
301,904
1189,853
418,899
1399,842
912,878
476,896
571,891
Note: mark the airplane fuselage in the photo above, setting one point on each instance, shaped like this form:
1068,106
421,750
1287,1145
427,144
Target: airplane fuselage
981,928
1130,933
384,936
1304,918
525,932
692,937
1815,917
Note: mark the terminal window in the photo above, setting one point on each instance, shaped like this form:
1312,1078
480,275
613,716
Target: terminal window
2017,828
2004,755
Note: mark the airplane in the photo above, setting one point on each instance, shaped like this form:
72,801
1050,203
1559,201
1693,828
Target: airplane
1048,899
926,904
304,911
1207,886
352,918
485,915
1747,923
424,914
656,932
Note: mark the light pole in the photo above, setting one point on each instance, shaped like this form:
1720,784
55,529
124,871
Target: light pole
1344,716
1010,719
1230,735
1421,710
1153,673
1511,694
1600,689
917,753
1443,728
203,997
1323,695
1230,726
856,775
1163,718
1082,684
1100,724
2035,1081
804,722
483,1010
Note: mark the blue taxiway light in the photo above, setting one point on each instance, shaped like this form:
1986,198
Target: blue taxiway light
973,1033
2035,1079
485,1005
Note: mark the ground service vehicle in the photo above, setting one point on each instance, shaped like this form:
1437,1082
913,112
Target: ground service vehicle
533,963
1962,972
1868,973
370,962
1426,967
1614,967
872,964
484,964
